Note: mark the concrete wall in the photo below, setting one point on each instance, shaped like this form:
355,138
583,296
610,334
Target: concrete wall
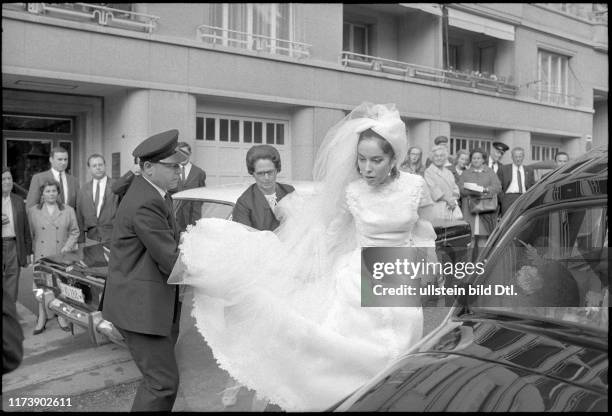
420,39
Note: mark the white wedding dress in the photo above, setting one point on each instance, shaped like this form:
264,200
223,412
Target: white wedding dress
301,338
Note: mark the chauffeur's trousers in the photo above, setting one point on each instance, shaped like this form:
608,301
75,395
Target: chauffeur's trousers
154,357
507,200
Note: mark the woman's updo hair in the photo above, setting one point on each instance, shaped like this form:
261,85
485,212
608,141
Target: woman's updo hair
385,146
262,151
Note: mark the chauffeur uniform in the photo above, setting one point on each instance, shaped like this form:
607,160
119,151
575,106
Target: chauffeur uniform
138,299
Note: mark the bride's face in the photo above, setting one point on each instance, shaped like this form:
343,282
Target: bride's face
374,164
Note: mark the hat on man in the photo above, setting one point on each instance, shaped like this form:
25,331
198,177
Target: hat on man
501,147
161,147
440,139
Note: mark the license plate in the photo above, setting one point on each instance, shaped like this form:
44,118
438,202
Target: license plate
71,292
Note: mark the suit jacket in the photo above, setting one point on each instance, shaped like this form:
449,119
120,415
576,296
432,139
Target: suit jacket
121,185
144,248
252,208
39,178
22,229
96,228
51,233
505,176
187,212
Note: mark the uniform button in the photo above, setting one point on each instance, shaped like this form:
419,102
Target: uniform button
43,228
57,228
57,242
42,242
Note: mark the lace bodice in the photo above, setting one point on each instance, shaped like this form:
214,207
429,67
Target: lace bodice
386,216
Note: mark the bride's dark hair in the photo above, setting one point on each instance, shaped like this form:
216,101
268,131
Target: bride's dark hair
385,146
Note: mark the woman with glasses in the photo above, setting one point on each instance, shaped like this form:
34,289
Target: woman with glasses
414,161
282,311
256,207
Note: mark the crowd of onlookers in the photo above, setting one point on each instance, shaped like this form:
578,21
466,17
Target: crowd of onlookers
58,214
474,185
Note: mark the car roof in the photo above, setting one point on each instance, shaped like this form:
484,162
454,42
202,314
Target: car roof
231,192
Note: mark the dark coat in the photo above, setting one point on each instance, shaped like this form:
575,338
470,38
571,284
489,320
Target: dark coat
252,208
121,185
12,335
486,178
22,230
505,176
144,248
96,228
40,178
188,211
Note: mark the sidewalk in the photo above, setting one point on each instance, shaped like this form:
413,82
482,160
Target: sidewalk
58,364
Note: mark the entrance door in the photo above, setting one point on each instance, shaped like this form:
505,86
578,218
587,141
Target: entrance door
27,141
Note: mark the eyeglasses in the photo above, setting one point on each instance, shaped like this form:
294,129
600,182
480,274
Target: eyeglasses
264,173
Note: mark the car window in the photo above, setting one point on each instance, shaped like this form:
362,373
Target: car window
558,264
216,210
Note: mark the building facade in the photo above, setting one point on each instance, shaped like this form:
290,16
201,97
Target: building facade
100,77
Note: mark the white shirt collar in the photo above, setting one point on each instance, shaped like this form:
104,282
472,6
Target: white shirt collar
160,190
56,173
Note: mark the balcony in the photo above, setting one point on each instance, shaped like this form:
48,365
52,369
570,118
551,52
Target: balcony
474,80
87,12
593,12
252,42
549,96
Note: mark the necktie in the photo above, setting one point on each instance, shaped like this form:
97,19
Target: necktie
168,200
62,189
97,198
182,174
520,180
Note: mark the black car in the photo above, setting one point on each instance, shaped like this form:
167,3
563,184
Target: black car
545,349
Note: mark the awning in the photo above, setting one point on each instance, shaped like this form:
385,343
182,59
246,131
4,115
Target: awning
479,24
432,8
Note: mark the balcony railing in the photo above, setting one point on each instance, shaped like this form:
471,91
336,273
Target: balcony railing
102,15
490,83
550,96
252,42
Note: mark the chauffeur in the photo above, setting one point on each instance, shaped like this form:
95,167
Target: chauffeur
497,151
144,248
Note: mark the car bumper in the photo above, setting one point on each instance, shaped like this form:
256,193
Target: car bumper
99,329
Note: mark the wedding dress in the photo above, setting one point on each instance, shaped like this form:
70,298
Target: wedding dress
282,311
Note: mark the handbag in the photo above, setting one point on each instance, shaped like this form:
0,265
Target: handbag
483,204
454,214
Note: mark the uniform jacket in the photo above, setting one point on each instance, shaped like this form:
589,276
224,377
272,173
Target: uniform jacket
144,248
252,208
22,229
188,211
39,178
51,233
96,228
505,176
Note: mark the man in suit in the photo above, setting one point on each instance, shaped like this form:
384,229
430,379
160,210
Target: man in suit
187,212
144,247
515,179
257,204
497,152
96,204
69,185
16,237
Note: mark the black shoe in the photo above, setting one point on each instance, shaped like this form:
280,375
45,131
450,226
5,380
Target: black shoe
68,327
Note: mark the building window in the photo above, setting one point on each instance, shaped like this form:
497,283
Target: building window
451,61
553,77
14,122
486,59
355,38
543,152
240,130
254,26
457,143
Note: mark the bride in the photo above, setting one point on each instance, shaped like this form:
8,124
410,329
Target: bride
282,310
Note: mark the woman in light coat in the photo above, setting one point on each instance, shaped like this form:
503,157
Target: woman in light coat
441,183
54,230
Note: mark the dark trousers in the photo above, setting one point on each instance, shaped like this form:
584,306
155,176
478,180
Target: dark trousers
154,357
507,200
10,268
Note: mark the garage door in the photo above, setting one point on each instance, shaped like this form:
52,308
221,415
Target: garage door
222,142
